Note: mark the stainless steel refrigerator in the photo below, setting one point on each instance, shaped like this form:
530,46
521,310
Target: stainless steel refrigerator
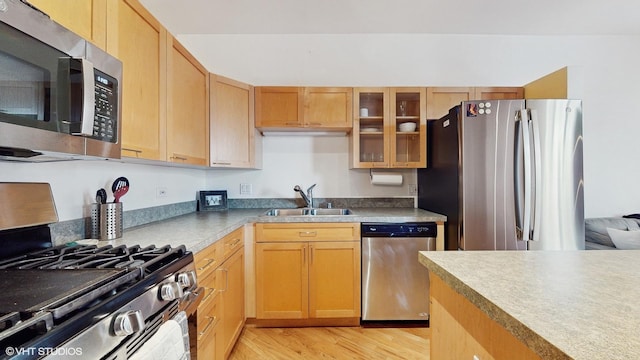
507,174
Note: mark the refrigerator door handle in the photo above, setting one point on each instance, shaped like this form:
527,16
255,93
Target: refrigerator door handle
518,178
528,176
537,172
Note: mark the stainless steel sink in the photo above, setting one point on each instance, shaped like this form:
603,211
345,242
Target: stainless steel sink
307,212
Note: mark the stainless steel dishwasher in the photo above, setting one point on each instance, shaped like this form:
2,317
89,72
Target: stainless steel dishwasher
395,286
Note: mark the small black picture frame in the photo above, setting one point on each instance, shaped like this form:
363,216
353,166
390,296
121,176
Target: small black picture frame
212,200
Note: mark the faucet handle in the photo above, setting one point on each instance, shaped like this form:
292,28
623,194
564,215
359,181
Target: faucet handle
311,187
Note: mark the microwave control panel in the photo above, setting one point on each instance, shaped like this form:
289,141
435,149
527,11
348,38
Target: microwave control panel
105,122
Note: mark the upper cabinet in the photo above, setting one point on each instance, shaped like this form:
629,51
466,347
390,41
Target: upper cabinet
441,99
297,108
234,142
389,130
139,41
86,18
187,107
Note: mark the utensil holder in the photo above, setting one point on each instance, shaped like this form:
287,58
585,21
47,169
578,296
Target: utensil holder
95,220
111,221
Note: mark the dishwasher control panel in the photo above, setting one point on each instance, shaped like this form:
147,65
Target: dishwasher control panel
409,229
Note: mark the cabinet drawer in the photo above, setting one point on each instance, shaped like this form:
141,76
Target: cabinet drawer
209,259
270,232
208,317
232,242
211,289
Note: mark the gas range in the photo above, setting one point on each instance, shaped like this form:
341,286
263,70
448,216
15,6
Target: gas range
90,301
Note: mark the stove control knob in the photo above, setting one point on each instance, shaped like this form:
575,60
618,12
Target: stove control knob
170,291
186,279
128,323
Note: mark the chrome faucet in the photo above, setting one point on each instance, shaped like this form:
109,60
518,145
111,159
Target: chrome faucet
308,197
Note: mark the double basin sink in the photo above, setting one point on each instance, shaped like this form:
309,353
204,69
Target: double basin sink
308,212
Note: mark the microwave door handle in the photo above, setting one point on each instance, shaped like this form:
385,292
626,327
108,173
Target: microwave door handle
88,98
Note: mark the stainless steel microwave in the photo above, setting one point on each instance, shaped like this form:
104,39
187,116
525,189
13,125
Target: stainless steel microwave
60,95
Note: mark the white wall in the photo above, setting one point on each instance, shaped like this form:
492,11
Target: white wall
74,183
608,66
304,161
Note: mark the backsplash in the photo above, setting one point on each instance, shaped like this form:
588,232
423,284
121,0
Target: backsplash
72,230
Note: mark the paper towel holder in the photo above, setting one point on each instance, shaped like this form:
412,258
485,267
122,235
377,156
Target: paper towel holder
387,178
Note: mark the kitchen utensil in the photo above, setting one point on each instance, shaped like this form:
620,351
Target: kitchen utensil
101,196
120,187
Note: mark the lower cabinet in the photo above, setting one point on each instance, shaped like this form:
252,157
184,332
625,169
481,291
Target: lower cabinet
308,272
220,316
460,330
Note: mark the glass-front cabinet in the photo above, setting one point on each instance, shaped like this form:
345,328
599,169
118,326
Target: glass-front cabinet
389,128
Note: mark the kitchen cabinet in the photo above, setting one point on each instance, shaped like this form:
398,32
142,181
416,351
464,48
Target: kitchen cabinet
220,316
140,42
234,142
87,18
308,272
460,330
377,141
441,99
187,107
304,108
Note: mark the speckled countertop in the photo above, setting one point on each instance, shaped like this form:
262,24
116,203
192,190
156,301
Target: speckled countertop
198,230
563,305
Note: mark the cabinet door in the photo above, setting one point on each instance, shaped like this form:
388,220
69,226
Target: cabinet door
139,41
408,147
187,107
369,140
279,107
232,293
87,18
498,93
208,337
329,108
233,138
282,281
441,99
334,279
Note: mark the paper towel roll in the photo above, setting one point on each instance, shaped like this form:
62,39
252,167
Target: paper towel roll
386,179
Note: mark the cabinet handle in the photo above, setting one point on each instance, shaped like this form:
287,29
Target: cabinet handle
291,123
311,254
179,157
211,292
234,243
220,163
226,280
208,264
307,233
304,255
213,320
315,123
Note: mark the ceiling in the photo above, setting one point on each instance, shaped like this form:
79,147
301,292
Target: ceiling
506,17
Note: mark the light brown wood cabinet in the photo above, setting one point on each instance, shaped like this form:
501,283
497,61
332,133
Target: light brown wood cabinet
234,139
187,107
441,99
460,330
140,42
303,108
377,140
86,18
308,272
220,316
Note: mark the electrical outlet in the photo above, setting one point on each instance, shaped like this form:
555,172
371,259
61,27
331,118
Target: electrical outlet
161,192
413,189
245,189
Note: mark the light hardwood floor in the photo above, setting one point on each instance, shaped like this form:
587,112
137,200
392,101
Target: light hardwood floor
369,343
